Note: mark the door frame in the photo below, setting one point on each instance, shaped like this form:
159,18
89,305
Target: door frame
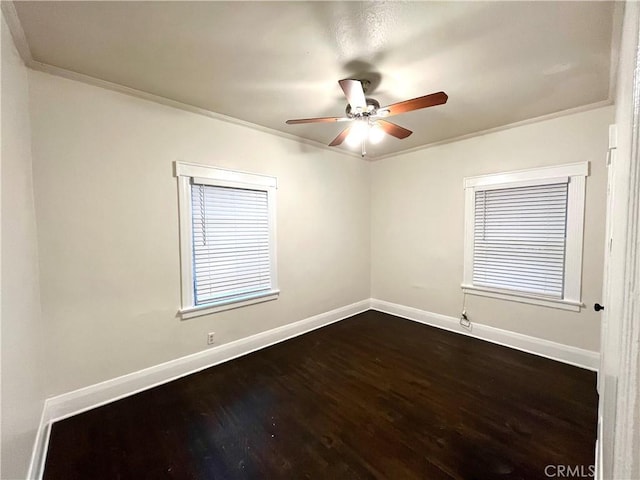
619,376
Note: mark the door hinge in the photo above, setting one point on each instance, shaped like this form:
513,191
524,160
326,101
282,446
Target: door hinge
613,136
613,143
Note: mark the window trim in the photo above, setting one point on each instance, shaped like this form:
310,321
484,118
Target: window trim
577,173
224,178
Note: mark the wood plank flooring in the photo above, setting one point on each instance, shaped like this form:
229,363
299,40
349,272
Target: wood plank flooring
373,396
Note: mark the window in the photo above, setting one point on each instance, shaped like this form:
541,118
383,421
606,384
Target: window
227,238
523,235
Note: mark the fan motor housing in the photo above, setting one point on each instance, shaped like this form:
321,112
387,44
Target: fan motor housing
372,105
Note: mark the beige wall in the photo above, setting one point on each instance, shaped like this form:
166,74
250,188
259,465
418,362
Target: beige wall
21,332
418,221
107,217
106,210
107,220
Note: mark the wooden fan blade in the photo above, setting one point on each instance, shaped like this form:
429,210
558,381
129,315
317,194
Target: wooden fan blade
340,138
353,91
416,103
317,120
394,130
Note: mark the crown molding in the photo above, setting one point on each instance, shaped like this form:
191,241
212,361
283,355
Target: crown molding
116,87
20,40
522,123
15,28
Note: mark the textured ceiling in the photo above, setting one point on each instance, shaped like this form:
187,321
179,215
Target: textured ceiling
266,62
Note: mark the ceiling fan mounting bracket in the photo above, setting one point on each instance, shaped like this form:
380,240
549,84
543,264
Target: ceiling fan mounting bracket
365,85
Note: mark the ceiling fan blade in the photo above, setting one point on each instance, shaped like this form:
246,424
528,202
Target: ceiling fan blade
340,138
355,94
318,120
394,130
416,103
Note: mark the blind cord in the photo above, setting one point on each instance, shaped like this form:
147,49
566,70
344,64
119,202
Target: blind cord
464,319
203,216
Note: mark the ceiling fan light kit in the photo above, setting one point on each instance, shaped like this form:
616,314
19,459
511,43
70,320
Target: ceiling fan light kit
376,133
366,115
357,133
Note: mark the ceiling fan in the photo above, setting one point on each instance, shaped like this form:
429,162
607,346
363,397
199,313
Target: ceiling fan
367,115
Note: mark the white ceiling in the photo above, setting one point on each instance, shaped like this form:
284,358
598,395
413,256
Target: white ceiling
266,62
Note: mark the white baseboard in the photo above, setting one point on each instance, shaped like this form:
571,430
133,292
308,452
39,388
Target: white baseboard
40,446
545,348
78,401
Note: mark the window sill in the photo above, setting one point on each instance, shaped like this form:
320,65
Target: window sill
521,297
221,306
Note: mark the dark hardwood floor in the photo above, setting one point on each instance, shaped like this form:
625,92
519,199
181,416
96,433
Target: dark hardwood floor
373,396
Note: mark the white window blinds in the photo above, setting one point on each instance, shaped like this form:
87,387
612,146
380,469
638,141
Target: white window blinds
519,238
231,251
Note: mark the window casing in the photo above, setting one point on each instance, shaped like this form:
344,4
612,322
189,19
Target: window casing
227,239
524,233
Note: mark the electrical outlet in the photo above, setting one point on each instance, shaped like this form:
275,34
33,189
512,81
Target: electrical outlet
210,338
